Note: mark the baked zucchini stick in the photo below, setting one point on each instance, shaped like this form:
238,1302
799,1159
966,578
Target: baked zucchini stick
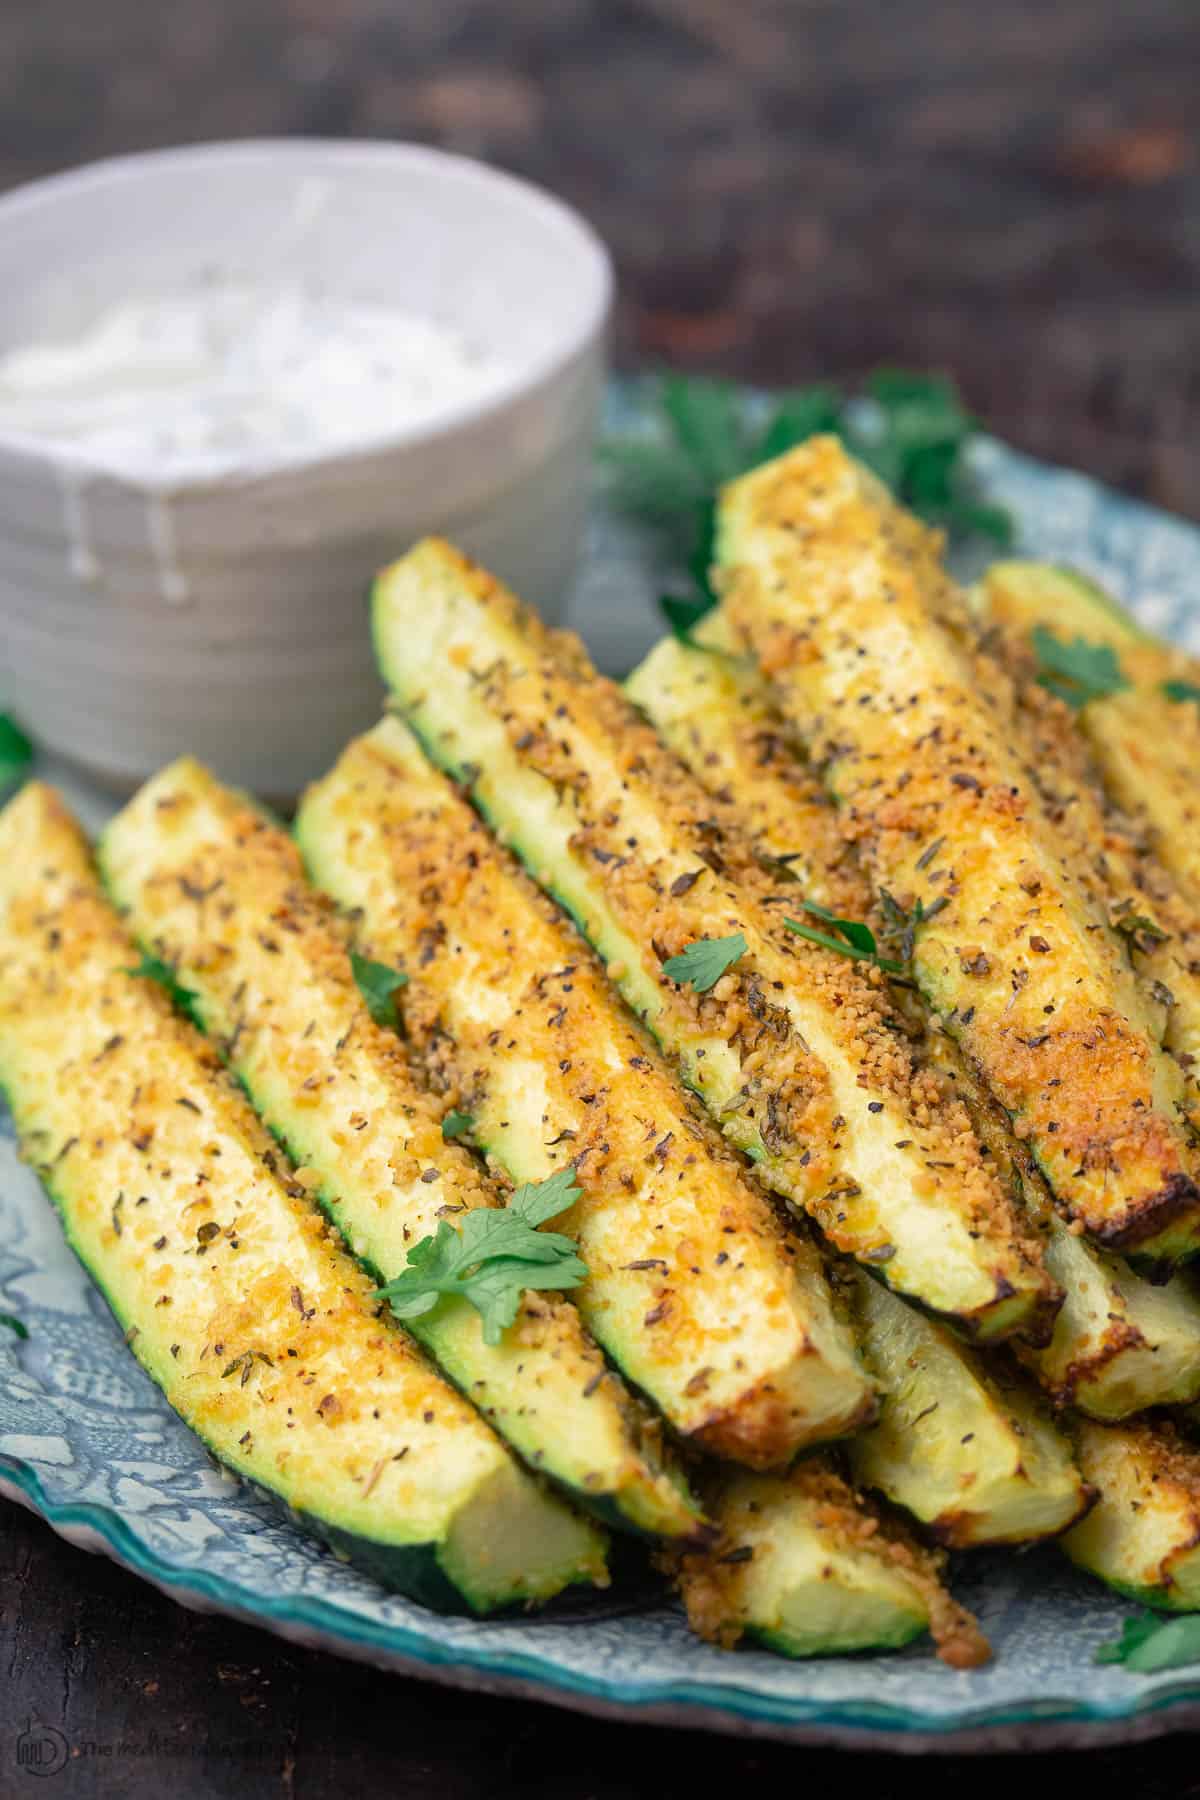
1142,1536
1145,733
844,602
216,890
1120,1343
966,1448
694,1289
236,1298
806,1566
1108,851
796,1051
963,1444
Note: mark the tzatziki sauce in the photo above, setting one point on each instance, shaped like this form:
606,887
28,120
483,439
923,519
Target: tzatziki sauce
173,386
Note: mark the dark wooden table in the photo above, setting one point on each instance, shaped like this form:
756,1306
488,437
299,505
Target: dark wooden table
791,189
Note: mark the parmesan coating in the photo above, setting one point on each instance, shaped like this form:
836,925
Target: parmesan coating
693,1286
845,604
220,892
1119,1344
798,1052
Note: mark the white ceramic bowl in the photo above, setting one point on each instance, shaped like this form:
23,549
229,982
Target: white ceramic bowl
226,616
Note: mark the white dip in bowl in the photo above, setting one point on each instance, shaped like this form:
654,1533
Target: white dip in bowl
234,381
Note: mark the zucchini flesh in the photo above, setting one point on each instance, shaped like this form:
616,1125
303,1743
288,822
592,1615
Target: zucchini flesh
219,892
1120,1343
964,1446
796,1051
235,1295
1146,743
807,1567
725,1321
843,600
1142,1536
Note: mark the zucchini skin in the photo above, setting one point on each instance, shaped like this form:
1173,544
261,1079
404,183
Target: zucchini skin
1143,1535
520,1028
219,892
808,1567
171,1199
844,602
1119,1343
834,1114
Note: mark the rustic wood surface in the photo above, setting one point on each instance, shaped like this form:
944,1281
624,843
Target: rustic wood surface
791,189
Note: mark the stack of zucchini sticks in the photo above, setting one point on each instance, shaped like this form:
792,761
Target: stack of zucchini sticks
839,981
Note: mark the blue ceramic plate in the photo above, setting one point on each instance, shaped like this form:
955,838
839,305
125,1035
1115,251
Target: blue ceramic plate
87,1441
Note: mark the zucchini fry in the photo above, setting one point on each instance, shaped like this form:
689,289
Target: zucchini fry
809,1568
796,1051
963,1445
842,598
725,1321
1120,1343
1108,851
962,1470
1145,735
237,1300
1142,1536
219,892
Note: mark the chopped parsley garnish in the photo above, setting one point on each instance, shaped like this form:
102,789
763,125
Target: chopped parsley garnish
183,999
14,1325
902,926
16,753
492,1258
704,962
1181,690
853,939
1079,671
378,986
912,433
1148,1643
1143,934
456,1124
683,615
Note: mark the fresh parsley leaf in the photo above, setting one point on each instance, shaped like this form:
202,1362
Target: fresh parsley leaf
184,999
799,416
538,1201
493,1257
684,614
14,1325
705,961
16,753
706,418
854,939
378,986
1143,933
912,434
1079,671
861,936
1148,1643
651,481
456,1123
1181,690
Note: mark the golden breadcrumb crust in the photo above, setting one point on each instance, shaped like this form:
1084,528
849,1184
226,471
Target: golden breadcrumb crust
798,1051
845,603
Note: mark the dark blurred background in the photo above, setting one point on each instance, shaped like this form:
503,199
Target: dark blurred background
791,187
